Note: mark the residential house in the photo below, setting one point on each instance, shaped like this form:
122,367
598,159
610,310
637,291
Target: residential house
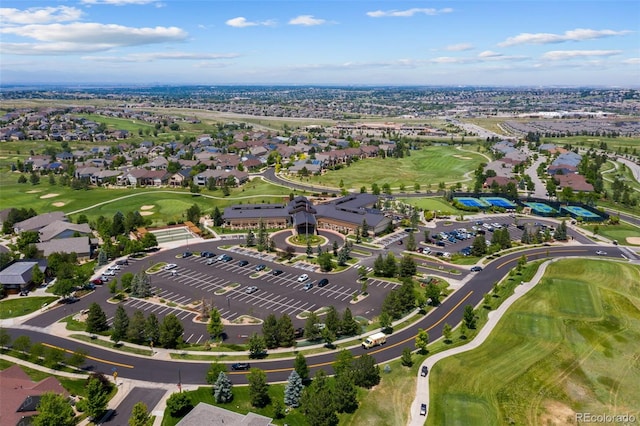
21,395
18,275
576,182
206,414
221,177
180,178
62,229
38,222
84,247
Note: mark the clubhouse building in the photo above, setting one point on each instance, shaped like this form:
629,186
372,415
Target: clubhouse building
343,215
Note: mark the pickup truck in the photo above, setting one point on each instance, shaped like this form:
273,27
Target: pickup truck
374,340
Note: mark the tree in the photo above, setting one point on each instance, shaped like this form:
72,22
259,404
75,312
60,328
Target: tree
385,321
63,286
96,319
318,404
139,415
300,366
479,246
343,363
171,331
411,242
223,389
54,410
140,285
311,330
53,357
446,332
152,329
257,346
293,390
194,213
309,250
390,265
422,340
37,276
469,317
251,239
270,331
561,232
285,331
258,388
463,330
120,324
97,398
328,336
5,339
179,404
215,328
214,371
432,291
325,261
408,266
217,217
22,344
349,326
77,358
135,332
366,373
345,394
405,359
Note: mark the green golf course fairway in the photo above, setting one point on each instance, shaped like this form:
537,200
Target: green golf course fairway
570,345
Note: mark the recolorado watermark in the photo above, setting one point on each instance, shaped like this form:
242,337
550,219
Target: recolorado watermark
583,418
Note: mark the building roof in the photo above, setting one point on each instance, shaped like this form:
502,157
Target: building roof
255,211
21,395
353,209
78,245
55,228
38,222
18,273
205,414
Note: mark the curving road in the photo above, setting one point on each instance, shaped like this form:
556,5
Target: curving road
194,372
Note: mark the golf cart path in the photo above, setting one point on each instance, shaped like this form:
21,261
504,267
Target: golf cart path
422,386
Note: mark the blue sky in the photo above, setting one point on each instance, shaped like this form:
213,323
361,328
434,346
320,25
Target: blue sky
351,42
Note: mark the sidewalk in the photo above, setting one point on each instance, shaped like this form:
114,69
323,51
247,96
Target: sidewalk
422,386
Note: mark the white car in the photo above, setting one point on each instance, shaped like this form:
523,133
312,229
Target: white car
601,253
110,272
303,278
170,266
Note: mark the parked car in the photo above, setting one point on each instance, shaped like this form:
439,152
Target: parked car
207,254
24,293
323,282
424,371
298,333
187,254
122,262
170,266
243,263
601,253
308,286
97,281
476,268
227,258
250,290
89,286
277,272
261,267
109,272
423,409
441,244
210,261
303,278
240,366
104,278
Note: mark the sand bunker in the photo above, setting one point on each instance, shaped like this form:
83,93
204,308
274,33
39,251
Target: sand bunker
34,191
462,157
634,240
147,207
58,204
146,213
49,196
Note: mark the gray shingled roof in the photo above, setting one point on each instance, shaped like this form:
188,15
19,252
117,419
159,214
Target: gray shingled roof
55,228
205,414
17,273
37,222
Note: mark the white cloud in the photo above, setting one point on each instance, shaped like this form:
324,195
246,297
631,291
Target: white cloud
408,12
486,56
86,37
561,55
37,15
306,20
489,54
632,61
241,22
459,47
579,34
156,56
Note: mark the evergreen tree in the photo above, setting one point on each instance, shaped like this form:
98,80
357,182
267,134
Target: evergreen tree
411,242
257,346
345,394
251,238
390,265
285,330
214,371
479,246
332,321
120,324
135,332
258,388
406,357
311,330
561,231
378,266
433,292
102,258
152,329
96,319
270,331
171,331
300,366
217,217
335,248
293,390
309,250
408,266
223,389
343,365
526,237
469,317
263,236
349,326
317,402
366,373
215,328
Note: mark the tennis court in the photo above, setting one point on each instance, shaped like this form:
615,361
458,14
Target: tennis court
173,234
577,211
499,202
541,209
471,202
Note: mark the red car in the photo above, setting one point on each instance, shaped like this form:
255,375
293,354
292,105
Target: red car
97,281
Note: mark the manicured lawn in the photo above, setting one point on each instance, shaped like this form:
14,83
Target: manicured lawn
618,232
17,307
428,166
569,345
433,204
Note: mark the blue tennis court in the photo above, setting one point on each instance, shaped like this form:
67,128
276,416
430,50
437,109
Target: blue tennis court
541,208
499,202
577,211
471,202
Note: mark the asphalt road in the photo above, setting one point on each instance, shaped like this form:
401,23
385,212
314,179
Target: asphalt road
450,311
149,396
